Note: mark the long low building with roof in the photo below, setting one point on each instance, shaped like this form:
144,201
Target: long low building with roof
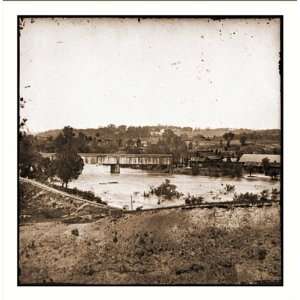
256,159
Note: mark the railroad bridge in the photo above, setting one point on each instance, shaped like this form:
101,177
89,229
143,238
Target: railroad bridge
115,160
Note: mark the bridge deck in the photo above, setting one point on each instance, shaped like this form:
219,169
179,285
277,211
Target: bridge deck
122,158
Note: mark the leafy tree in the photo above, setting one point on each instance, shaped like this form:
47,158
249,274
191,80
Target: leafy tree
274,173
250,169
48,168
169,136
68,164
22,121
82,143
243,139
120,142
266,164
139,143
29,157
130,144
228,137
122,128
268,169
132,132
172,144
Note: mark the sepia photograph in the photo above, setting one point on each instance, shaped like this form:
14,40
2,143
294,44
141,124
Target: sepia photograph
150,150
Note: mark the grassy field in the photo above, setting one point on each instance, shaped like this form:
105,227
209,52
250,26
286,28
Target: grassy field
67,243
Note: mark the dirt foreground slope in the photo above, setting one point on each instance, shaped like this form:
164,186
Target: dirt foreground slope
174,246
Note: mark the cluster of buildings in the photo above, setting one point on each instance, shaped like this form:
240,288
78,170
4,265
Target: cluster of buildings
253,162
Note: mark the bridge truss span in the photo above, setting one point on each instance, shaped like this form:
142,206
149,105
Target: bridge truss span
116,160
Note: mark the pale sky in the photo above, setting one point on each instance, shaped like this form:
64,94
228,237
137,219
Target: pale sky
202,73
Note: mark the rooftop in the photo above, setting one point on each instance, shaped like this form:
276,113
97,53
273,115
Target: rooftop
257,158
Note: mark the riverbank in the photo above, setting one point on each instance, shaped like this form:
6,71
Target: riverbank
41,203
172,246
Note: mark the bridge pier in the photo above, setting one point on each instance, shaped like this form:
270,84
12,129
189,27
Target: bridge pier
115,169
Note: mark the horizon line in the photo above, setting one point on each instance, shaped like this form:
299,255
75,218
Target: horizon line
158,125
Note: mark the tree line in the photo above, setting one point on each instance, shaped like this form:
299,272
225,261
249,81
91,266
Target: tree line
67,164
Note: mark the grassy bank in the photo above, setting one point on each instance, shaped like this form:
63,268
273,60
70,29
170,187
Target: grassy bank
37,205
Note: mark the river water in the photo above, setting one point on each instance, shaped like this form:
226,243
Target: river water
118,189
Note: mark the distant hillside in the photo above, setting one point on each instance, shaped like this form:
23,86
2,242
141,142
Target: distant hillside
48,133
55,132
207,132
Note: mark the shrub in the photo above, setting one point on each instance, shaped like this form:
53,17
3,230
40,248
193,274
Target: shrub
88,195
275,194
251,197
192,200
229,188
264,195
75,232
166,190
246,197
